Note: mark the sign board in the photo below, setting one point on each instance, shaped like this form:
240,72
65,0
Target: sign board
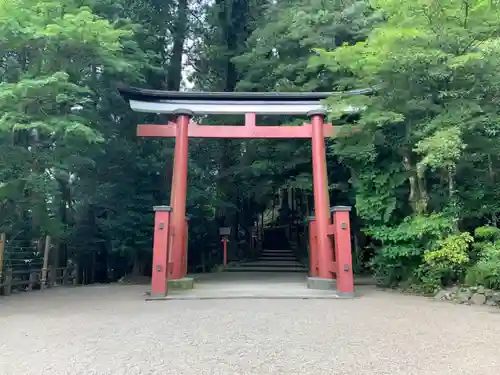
225,231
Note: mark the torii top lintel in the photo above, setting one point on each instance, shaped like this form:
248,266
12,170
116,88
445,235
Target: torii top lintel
201,103
225,103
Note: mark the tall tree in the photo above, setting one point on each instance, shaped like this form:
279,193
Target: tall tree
434,68
179,32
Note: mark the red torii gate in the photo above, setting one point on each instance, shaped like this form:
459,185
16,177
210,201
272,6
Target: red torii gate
328,262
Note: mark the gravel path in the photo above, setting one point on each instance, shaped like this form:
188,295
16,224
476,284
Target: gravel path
111,330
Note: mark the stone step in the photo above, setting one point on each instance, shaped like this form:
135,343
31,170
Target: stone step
271,264
266,269
277,251
270,261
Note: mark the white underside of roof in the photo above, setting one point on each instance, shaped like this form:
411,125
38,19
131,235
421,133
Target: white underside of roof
227,107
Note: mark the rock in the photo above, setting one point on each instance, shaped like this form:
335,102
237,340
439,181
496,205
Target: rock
477,295
453,289
442,295
464,295
478,299
495,298
491,303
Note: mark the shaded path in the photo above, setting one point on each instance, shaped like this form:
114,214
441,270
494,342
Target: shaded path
111,330
270,261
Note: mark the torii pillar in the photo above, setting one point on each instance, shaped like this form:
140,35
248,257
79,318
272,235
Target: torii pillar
323,251
178,196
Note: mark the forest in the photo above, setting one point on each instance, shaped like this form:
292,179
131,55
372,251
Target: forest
419,166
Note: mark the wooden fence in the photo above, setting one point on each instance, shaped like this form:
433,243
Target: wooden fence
25,267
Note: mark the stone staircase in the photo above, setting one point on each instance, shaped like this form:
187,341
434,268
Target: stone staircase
270,261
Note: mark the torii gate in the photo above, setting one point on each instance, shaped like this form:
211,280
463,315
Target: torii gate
330,243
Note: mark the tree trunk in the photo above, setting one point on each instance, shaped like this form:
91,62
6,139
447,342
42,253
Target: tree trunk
179,30
92,270
418,197
451,196
451,184
174,75
137,267
492,181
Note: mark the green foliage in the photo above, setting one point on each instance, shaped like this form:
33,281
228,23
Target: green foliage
487,233
446,262
279,57
486,270
403,246
450,253
423,141
58,64
441,150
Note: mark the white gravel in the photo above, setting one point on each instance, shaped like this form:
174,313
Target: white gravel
111,330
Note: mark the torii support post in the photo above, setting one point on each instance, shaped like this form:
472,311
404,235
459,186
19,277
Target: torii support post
45,270
224,249
343,250
186,248
313,248
341,267
178,196
159,275
324,278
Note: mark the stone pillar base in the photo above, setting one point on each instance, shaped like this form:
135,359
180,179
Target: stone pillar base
185,283
321,284
346,295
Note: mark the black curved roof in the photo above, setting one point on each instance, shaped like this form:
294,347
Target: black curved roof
148,95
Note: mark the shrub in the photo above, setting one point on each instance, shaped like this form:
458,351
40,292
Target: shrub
487,233
447,262
450,254
486,271
404,246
